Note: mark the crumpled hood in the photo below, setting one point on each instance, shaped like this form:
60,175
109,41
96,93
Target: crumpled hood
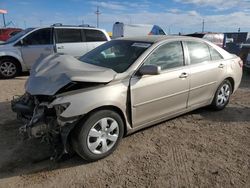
55,71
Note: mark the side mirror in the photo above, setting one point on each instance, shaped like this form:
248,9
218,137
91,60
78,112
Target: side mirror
149,70
21,42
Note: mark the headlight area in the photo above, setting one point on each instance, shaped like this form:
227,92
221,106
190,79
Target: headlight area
47,124
62,121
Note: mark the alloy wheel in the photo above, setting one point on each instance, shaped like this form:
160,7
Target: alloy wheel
8,69
223,95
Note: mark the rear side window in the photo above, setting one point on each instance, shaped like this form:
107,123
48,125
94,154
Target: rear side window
68,35
94,35
167,56
214,54
39,37
198,52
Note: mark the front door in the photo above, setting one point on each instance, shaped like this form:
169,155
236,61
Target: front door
36,46
154,97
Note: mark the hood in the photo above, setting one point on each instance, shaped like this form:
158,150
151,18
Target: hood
56,71
5,46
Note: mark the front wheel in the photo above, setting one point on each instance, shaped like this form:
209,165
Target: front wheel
8,68
98,135
222,95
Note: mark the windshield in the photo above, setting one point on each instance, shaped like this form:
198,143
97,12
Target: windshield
117,55
18,35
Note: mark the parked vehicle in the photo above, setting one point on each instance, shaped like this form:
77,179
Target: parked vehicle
122,86
245,55
6,33
216,38
22,50
234,40
131,30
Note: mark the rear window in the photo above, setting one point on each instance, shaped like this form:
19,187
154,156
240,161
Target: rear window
68,35
198,52
2,31
14,33
94,35
214,54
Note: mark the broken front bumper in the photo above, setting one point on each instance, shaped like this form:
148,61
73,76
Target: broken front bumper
43,121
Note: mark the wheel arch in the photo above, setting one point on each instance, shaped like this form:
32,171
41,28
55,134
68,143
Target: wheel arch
231,80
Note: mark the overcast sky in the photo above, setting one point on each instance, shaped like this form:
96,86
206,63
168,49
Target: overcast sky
172,15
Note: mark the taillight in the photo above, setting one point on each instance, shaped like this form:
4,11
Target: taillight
240,63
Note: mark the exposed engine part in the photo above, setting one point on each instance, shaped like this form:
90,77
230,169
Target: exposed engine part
23,106
44,122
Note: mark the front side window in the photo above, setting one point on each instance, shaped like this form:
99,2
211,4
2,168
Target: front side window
39,37
117,55
68,35
94,35
167,56
198,52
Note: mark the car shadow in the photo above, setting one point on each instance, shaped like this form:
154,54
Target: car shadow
20,156
230,114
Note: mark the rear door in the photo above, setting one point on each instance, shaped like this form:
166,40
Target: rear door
71,41
156,96
37,45
207,69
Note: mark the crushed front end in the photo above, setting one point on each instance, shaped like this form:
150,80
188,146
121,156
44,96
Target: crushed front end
43,121
40,108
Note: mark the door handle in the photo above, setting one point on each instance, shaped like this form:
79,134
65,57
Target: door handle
221,66
183,75
60,47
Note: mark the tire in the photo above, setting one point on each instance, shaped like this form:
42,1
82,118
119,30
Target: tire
222,95
9,68
98,136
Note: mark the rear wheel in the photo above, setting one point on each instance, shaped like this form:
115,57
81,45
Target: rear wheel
222,95
8,68
99,135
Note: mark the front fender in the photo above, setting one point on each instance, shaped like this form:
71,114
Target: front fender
15,53
83,102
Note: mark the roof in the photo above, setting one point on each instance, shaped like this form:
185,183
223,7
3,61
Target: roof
154,38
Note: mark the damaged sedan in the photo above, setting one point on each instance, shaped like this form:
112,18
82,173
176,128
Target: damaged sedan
88,104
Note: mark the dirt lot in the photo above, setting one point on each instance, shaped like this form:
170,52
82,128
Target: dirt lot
199,149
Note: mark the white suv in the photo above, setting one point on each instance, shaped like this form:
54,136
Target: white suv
22,50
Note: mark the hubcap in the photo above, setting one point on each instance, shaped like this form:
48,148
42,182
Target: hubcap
223,95
103,135
8,69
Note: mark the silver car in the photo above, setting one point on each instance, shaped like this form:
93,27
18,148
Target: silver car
124,85
20,52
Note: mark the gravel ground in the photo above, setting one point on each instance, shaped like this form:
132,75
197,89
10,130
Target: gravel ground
199,149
